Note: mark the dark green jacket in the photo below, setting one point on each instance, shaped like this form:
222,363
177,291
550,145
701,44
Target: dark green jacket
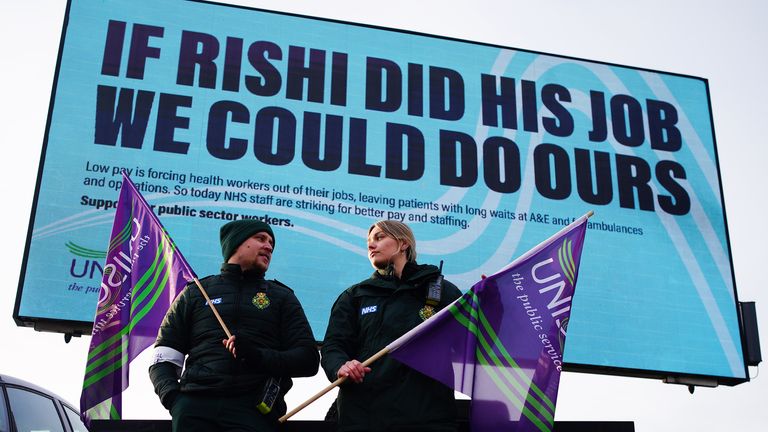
273,335
365,318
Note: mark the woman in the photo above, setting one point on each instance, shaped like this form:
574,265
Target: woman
369,315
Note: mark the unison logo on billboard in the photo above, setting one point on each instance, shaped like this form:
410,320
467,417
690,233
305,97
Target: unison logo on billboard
86,263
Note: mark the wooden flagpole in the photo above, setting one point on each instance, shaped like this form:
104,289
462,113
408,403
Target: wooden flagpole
213,308
332,385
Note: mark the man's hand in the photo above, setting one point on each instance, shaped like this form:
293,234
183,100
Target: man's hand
229,344
354,370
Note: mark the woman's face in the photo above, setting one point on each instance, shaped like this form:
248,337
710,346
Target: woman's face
383,249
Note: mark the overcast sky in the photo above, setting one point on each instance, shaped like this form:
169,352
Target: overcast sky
722,41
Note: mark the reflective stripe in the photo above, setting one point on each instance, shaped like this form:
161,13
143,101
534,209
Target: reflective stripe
170,355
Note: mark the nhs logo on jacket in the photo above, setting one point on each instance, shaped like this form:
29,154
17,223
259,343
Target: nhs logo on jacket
368,309
214,301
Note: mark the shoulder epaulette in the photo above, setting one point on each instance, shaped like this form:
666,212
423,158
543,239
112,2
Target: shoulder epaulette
281,284
202,279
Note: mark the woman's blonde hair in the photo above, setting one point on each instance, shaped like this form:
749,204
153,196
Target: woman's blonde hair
400,232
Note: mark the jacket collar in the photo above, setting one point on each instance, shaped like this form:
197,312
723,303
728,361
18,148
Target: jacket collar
236,272
413,273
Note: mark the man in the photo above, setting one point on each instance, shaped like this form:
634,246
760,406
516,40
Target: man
235,383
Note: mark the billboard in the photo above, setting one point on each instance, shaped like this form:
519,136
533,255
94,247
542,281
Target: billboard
321,127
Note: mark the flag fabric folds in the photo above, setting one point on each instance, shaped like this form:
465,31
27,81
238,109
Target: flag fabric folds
143,274
502,342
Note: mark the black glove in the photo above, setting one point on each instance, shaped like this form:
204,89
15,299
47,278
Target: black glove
170,399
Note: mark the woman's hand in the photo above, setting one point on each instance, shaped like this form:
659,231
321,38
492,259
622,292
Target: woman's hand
354,370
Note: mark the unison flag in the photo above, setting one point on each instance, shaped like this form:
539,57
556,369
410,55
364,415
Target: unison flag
142,276
502,342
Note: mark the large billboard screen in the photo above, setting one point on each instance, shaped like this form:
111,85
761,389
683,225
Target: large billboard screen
321,127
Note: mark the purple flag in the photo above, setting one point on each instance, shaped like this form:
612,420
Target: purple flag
143,274
502,342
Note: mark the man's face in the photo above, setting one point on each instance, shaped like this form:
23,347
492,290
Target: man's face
255,253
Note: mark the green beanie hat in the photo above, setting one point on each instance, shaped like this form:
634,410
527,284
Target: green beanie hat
234,233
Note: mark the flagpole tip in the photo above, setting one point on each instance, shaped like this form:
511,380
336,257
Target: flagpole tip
590,214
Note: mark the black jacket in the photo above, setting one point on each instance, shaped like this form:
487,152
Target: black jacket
273,338
365,318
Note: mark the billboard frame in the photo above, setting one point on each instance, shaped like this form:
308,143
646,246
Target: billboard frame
83,327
